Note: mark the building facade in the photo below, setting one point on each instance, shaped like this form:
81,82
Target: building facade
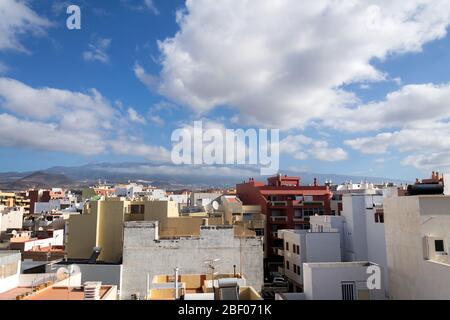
287,205
147,254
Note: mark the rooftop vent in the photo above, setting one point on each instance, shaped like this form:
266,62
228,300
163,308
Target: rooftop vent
92,290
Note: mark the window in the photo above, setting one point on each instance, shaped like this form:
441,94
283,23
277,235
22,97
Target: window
137,209
348,290
294,248
298,270
287,246
439,245
287,265
295,268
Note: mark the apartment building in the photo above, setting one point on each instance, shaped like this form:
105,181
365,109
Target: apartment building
418,241
11,218
303,246
287,205
361,226
101,225
147,253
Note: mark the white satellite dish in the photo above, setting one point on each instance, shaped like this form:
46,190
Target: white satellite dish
74,269
215,205
14,232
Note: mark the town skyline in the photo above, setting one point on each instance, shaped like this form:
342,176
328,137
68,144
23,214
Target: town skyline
108,92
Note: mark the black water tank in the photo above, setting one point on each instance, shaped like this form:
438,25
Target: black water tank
418,189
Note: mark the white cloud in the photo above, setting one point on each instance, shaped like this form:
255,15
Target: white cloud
72,108
426,146
147,79
411,105
134,116
301,147
135,148
50,119
41,136
98,51
282,62
141,5
17,19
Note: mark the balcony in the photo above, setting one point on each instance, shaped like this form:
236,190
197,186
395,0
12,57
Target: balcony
278,203
279,219
274,234
280,252
298,219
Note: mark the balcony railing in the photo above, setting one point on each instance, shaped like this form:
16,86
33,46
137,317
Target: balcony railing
281,219
280,252
278,203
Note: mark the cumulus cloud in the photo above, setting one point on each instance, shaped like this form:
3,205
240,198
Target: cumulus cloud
16,20
133,147
41,136
134,116
291,55
301,147
410,106
98,51
50,119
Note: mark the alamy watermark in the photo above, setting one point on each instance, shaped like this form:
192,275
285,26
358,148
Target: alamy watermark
212,146
73,22
374,280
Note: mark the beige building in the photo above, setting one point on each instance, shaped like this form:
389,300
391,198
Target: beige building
201,287
101,225
417,244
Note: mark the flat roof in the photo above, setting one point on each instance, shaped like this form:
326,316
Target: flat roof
64,293
340,264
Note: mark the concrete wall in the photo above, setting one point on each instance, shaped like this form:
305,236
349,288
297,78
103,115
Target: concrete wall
9,270
11,220
408,220
146,254
324,281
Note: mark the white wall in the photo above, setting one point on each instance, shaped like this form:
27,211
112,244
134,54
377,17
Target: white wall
408,221
325,282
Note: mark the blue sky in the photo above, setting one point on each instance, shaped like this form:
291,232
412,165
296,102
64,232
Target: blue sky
360,102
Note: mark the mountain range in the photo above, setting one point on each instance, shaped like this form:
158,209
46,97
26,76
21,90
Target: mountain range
164,176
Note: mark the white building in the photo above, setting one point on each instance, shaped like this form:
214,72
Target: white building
301,246
128,190
11,218
9,270
418,242
362,227
146,254
341,281
202,199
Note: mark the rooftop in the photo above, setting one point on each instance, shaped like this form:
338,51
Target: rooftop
340,264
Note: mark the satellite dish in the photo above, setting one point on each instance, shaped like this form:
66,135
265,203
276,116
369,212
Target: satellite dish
40,229
74,269
215,205
62,274
14,232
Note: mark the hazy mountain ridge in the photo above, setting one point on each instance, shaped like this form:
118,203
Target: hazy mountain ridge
164,176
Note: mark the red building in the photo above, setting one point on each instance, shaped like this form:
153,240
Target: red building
287,205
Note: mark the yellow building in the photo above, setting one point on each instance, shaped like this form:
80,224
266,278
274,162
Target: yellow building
101,225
